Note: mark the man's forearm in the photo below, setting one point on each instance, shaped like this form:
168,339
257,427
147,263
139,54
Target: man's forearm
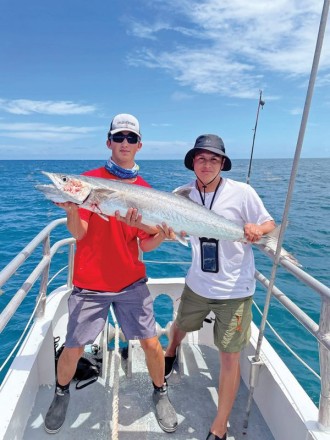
75,225
151,243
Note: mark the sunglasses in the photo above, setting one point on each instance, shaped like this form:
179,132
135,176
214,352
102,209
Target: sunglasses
132,138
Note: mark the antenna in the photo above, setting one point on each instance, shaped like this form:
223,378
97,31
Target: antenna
261,104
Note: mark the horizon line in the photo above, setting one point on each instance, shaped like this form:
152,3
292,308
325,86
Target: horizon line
161,159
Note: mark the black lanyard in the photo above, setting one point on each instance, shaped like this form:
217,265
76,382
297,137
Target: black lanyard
215,192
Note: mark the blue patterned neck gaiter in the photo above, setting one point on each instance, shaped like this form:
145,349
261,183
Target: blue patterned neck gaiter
122,173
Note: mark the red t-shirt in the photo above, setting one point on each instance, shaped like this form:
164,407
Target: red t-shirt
106,258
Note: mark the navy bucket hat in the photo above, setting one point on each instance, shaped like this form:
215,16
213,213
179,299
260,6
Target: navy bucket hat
209,142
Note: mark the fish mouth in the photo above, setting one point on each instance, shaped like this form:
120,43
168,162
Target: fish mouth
59,179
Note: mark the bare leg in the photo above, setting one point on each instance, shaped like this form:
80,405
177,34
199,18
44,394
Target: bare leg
229,380
67,364
154,359
176,336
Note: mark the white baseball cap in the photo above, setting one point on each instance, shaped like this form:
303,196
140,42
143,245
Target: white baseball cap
125,122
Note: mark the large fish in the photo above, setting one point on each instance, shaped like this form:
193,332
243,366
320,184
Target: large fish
105,196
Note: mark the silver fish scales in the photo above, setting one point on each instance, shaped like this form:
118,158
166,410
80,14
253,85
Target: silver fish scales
105,196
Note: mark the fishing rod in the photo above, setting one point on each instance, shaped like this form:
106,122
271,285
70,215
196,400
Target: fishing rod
261,104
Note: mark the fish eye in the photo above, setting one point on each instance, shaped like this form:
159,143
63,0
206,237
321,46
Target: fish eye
64,179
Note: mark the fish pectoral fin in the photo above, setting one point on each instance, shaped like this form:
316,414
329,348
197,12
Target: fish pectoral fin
105,191
105,217
97,211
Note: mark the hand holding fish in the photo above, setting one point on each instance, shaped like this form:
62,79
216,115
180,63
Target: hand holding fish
166,231
67,206
134,219
253,232
76,226
106,196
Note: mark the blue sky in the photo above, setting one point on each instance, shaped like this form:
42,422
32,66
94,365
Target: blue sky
183,68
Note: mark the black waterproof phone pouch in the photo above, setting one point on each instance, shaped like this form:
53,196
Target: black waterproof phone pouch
209,254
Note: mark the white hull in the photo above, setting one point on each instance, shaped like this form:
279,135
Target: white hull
25,394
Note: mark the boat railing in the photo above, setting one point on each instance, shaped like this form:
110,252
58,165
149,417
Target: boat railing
320,331
40,272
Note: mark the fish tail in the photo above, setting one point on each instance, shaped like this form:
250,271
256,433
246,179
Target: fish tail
269,242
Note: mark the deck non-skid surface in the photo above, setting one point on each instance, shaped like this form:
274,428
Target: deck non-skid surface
194,397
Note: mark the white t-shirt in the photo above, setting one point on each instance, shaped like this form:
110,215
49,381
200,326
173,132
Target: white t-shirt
239,203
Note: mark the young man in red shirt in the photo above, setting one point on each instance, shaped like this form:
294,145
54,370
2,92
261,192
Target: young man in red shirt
107,270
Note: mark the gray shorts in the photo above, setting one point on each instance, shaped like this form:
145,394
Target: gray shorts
88,311
232,325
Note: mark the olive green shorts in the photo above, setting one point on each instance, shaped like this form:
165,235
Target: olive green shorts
232,326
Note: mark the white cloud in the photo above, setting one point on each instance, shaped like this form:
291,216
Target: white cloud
44,132
324,81
205,72
233,46
296,111
27,106
163,149
181,96
149,31
161,124
43,136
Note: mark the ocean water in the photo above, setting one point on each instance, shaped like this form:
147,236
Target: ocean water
25,212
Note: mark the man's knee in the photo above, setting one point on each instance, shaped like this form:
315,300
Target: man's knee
229,360
72,354
150,345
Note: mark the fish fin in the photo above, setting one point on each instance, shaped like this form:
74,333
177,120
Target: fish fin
182,240
97,211
183,191
105,217
269,242
106,191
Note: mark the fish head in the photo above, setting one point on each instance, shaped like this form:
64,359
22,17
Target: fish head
75,188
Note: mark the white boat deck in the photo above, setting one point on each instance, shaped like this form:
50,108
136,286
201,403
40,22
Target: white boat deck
194,396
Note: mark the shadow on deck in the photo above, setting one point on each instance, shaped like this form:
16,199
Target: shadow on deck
194,397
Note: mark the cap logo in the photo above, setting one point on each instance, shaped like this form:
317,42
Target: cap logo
126,123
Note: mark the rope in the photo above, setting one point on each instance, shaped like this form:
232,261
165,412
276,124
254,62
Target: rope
114,380
57,273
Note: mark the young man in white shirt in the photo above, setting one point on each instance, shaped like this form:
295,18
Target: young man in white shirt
221,276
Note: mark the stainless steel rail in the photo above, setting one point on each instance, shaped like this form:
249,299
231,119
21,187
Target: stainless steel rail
320,331
324,415
41,270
